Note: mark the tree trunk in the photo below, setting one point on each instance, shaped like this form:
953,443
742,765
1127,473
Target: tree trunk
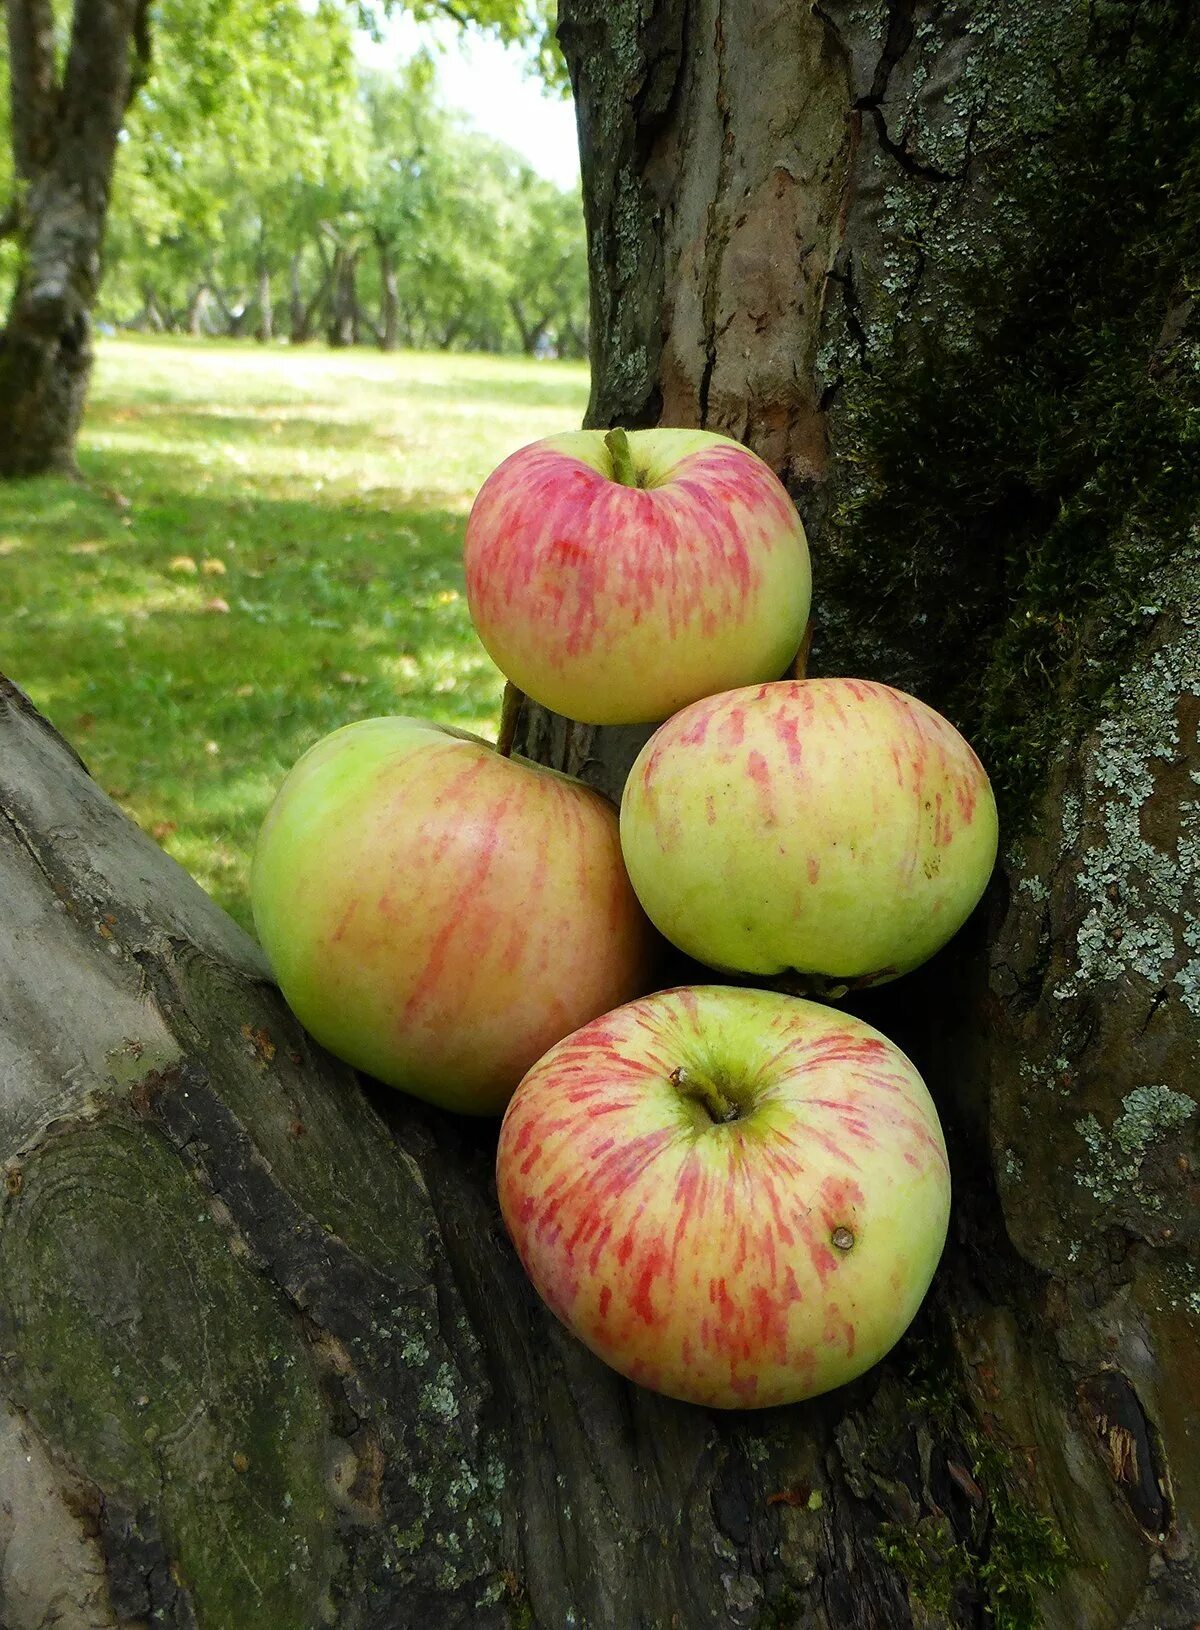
389,300
343,323
530,331
364,324
196,308
299,311
149,320
303,314
949,299
267,1356
266,326
64,137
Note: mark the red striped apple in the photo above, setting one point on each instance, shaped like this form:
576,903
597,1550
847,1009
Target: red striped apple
834,828
615,580
439,915
733,1197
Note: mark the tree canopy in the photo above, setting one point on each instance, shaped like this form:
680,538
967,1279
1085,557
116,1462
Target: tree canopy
268,182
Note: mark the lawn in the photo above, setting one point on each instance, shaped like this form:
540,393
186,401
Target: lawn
267,545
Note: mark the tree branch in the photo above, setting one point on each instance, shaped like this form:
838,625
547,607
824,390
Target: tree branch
33,84
142,49
107,61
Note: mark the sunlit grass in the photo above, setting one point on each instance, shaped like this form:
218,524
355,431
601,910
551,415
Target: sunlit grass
267,545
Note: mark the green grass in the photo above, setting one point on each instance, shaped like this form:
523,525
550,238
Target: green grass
320,497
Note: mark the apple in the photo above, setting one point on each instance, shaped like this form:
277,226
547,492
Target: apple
439,915
615,579
832,828
731,1196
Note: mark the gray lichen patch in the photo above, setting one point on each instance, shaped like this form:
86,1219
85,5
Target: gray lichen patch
1137,885
1148,1115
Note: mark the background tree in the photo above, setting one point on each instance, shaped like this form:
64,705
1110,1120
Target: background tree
268,1358
72,78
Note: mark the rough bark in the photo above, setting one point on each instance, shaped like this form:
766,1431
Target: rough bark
266,1355
64,145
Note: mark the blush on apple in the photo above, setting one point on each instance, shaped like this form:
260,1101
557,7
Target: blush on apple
437,914
617,579
731,1196
833,828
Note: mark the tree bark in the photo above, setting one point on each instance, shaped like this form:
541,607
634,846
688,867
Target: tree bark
64,144
268,1360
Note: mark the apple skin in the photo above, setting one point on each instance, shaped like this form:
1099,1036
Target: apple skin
738,1263
833,828
438,915
615,604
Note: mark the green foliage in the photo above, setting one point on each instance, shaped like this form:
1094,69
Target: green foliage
1014,1551
928,1557
259,149
1026,1555
1032,472
320,498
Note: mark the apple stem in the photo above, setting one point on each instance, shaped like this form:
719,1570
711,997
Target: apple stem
623,471
719,1108
799,669
510,709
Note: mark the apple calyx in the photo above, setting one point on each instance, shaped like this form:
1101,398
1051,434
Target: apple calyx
719,1108
623,472
842,1238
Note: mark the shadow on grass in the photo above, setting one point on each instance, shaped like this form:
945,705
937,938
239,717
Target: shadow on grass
190,692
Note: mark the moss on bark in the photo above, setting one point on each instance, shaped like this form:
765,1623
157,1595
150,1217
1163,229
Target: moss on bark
1015,393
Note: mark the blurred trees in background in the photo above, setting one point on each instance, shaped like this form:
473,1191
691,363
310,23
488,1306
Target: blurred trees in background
269,185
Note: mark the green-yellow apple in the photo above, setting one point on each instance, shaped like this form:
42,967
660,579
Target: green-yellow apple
733,1197
439,915
615,580
833,828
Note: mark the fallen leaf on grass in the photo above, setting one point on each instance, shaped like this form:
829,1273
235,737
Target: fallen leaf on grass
162,829
213,568
216,604
182,563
